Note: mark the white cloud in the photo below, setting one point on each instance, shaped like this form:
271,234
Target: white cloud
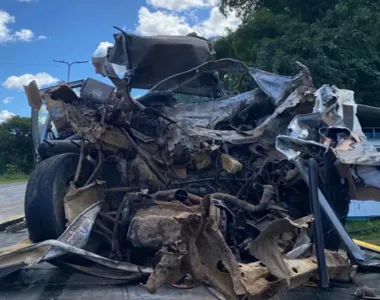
42,37
192,15
8,35
180,5
160,22
17,82
217,23
212,3
5,115
25,35
101,51
7,100
27,0
177,4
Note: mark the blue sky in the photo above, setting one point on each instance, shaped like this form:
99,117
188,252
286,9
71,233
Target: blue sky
35,32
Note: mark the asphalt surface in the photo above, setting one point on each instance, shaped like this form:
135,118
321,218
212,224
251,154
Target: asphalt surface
11,200
45,282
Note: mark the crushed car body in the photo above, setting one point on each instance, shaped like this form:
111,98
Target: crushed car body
193,180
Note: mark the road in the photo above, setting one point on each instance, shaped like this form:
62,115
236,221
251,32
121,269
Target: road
11,200
44,282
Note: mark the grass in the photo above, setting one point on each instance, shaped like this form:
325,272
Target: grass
364,230
13,178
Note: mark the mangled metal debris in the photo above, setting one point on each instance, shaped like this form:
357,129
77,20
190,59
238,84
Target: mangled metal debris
210,186
365,292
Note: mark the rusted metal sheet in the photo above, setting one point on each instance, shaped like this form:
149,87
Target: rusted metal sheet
26,254
75,236
33,94
77,200
266,248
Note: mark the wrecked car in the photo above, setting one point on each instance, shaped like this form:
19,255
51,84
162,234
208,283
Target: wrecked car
192,179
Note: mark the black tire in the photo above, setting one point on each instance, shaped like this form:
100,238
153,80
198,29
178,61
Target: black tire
46,188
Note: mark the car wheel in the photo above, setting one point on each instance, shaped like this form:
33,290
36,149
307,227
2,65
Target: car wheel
46,188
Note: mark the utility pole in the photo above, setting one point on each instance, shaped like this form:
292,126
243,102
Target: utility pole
69,64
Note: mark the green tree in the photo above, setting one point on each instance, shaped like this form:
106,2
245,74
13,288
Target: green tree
16,145
306,11
339,41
